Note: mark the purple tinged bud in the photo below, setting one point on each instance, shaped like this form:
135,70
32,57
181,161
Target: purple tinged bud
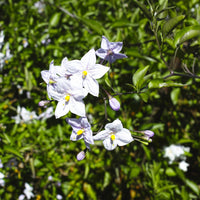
149,133
80,156
43,103
114,104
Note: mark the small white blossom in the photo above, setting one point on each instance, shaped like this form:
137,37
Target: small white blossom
59,197
28,191
2,182
183,165
113,135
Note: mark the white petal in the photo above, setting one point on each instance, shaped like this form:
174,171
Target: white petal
89,59
91,85
102,135
123,137
74,66
45,76
109,144
105,43
98,71
62,108
115,126
77,107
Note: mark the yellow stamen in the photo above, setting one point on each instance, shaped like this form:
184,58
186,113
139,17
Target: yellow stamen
6,61
51,81
112,137
67,98
79,132
84,74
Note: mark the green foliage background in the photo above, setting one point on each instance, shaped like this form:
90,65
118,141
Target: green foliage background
164,97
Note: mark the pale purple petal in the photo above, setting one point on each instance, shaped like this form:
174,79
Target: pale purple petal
115,126
102,135
98,71
75,137
123,137
116,47
87,135
74,123
112,57
45,76
102,53
105,43
109,144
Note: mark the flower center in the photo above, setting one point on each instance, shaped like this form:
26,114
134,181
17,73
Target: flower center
109,52
112,137
79,132
67,98
51,81
84,74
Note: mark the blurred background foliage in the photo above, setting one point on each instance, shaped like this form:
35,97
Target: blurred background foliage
161,40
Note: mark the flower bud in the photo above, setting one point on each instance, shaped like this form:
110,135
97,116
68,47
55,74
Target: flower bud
149,133
43,103
80,156
114,104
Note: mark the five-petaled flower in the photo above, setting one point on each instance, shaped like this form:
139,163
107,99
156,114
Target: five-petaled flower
110,50
113,135
81,130
87,70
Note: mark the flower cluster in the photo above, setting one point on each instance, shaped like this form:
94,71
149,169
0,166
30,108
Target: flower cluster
26,116
177,153
72,81
4,55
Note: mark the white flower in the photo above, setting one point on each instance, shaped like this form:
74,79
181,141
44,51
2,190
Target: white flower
175,151
52,75
1,164
113,135
21,197
59,197
183,165
24,116
87,70
28,191
47,114
70,97
1,38
25,42
2,182
39,6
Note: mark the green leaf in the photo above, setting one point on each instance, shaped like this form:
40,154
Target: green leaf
144,96
144,9
94,25
192,186
186,34
89,191
175,95
55,19
123,23
170,172
138,77
171,24
159,83
12,150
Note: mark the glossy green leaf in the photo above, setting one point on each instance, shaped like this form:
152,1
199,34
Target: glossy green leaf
171,24
55,19
12,150
186,34
138,77
159,83
193,186
144,9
